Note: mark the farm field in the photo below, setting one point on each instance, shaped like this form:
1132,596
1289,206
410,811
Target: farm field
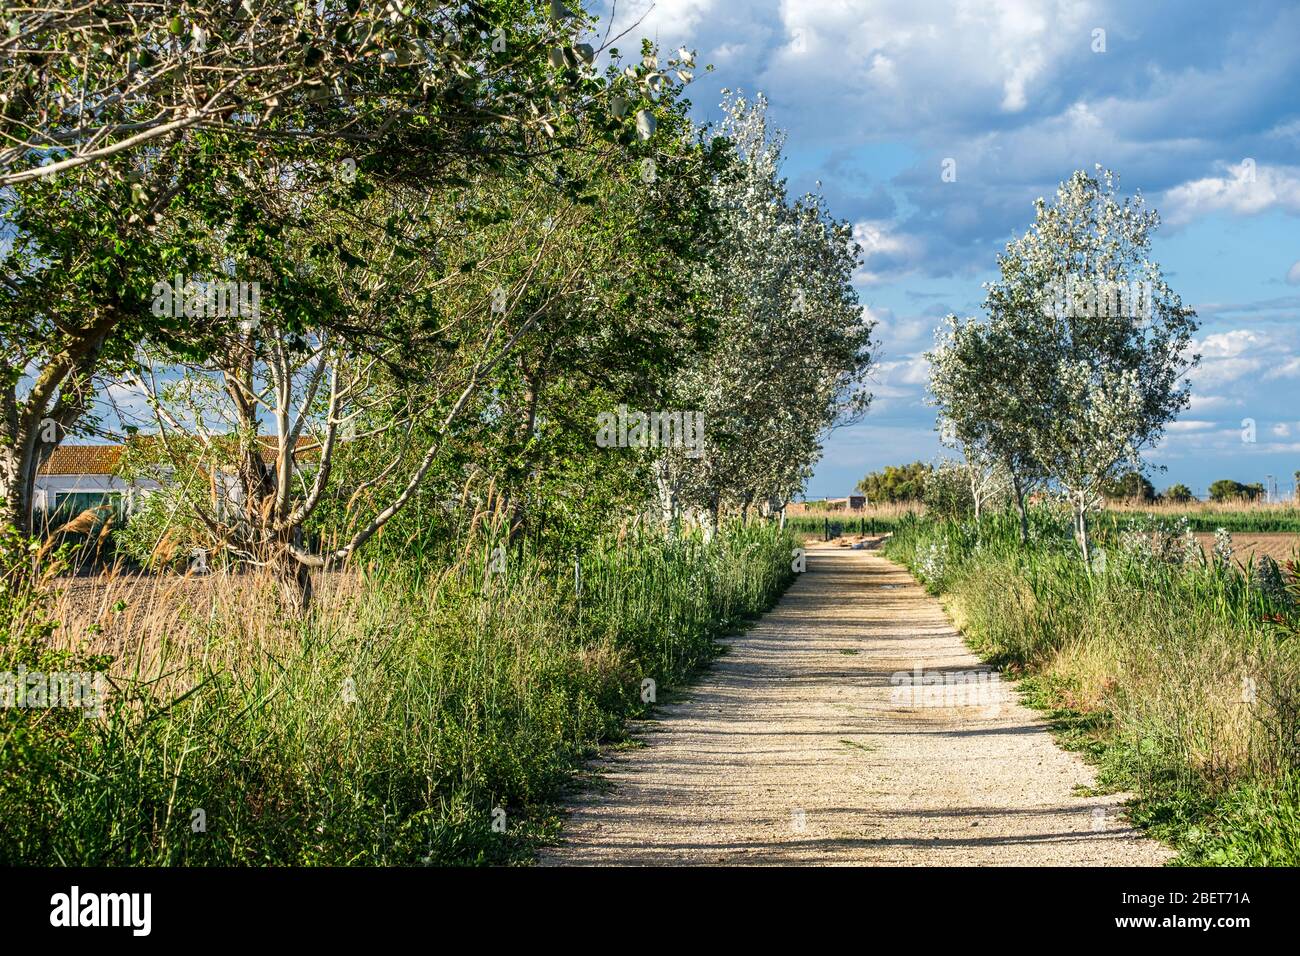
1281,547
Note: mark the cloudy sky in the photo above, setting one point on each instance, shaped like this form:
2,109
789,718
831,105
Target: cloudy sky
1195,104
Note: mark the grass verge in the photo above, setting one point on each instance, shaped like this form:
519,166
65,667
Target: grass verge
413,717
1177,676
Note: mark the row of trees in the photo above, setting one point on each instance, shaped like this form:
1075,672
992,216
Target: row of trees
1062,390
1136,486
470,241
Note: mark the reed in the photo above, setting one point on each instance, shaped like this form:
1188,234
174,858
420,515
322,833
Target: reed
420,713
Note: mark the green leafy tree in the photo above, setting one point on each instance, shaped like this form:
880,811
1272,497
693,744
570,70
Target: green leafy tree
1104,372
1130,486
790,350
1226,489
133,128
982,397
896,483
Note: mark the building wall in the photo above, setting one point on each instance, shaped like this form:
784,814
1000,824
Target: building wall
50,486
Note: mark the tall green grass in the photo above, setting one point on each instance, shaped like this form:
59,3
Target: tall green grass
1259,520
422,715
820,524
1181,677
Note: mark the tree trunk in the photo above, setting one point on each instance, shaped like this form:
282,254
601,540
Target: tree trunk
19,464
1018,490
296,591
532,395
1081,533
12,511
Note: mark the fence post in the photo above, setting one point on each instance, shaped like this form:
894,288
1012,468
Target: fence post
826,529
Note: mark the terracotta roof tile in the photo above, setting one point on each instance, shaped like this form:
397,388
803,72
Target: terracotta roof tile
82,460
103,459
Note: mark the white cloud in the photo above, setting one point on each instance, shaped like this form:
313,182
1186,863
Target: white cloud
886,253
1208,403
1288,368
902,377
1293,274
1230,344
1190,425
1245,188
671,22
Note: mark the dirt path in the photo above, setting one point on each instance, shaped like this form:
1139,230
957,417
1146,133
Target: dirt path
807,744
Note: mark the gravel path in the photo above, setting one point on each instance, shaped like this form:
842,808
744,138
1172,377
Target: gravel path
809,743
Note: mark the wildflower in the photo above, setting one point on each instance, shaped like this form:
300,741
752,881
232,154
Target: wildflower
1266,577
932,561
1190,549
1222,547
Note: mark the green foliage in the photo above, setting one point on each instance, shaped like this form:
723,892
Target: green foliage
896,483
820,524
1226,489
1130,486
1178,494
1245,521
386,730
1055,382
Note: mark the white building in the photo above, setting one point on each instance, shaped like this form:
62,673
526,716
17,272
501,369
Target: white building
77,477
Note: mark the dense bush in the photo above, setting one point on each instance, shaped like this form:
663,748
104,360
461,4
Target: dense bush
1225,489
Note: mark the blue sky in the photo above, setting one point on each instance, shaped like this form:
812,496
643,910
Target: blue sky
1195,104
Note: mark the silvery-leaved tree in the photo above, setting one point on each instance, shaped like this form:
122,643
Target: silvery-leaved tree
1099,343
978,385
791,348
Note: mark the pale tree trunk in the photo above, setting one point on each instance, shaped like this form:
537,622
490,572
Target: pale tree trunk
1081,531
12,482
20,462
1017,489
669,509
975,479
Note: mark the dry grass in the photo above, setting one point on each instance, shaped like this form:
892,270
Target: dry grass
158,624
891,511
1208,508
